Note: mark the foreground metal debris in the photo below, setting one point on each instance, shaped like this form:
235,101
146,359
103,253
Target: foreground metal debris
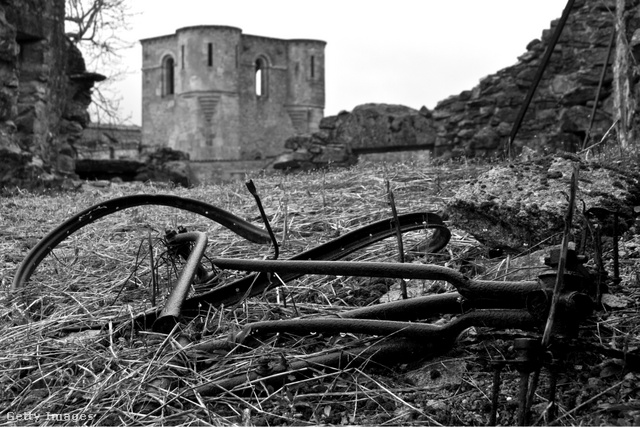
401,333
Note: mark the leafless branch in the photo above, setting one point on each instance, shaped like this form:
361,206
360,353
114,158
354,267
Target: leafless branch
96,28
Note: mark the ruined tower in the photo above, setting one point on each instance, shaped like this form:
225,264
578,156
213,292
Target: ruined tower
221,95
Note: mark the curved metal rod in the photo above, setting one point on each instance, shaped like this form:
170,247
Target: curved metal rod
100,210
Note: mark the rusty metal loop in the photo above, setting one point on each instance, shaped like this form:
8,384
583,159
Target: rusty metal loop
100,210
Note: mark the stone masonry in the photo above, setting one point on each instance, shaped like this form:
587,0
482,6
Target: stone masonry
478,122
224,96
44,94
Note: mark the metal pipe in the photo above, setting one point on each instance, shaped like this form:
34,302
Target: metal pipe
449,332
488,289
410,309
171,312
433,340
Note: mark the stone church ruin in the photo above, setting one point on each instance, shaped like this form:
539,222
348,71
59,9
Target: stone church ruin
229,99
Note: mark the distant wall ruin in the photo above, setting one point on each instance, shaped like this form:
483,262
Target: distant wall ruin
110,142
478,122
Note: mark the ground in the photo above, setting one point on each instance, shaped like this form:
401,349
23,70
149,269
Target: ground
101,275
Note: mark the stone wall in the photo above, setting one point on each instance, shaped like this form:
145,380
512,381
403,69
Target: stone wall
478,122
113,142
44,94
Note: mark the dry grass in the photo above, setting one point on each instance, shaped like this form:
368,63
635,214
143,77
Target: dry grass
102,275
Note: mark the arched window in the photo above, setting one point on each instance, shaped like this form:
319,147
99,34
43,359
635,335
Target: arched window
168,67
261,77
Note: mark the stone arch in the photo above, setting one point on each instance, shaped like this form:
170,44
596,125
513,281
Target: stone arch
261,76
168,75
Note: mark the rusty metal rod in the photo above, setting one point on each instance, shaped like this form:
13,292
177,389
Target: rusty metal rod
488,289
254,192
538,75
600,82
410,309
431,342
516,318
171,312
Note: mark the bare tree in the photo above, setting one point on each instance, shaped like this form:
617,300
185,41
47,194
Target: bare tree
96,27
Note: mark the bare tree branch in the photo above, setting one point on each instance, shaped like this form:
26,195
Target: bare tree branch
95,27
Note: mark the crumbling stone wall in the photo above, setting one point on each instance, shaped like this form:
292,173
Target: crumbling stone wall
44,94
369,128
478,122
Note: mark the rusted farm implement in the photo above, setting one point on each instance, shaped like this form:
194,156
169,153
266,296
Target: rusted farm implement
521,305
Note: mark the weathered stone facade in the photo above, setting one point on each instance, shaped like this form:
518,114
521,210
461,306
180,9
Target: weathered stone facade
221,95
478,122
44,94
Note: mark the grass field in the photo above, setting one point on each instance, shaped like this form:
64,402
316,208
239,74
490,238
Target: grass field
103,275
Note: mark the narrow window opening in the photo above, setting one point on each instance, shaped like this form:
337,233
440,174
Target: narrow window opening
210,54
182,56
168,83
313,66
258,82
237,49
261,77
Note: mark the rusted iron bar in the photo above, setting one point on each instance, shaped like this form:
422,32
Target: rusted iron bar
410,309
169,316
557,291
603,73
431,341
489,289
415,330
254,192
394,211
538,75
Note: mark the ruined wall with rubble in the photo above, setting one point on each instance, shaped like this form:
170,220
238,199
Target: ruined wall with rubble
478,122
44,93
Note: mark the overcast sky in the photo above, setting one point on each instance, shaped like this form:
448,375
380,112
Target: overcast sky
410,52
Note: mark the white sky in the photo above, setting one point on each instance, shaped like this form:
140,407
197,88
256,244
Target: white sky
410,52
